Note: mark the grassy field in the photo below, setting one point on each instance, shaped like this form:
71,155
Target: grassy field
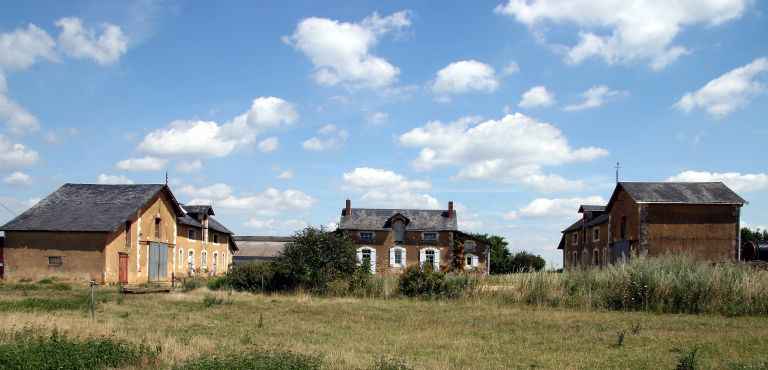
351,333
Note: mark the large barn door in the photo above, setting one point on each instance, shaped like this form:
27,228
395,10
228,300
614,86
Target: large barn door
158,262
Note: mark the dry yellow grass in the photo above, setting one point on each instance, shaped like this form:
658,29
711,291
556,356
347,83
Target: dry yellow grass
351,333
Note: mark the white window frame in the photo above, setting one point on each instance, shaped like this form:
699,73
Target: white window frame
373,257
191,261
596,234
474,261
424,236
203,259
403,259
423,257
215,262
371,233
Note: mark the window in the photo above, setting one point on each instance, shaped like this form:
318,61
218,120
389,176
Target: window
191,262
595,257
623,227
203,259
574,258
429,237
429,257
215,261
181,259
55,261
596,234
399,229
471,261
216,238
398,256
575,239
191,234
367,255
157,227
366,236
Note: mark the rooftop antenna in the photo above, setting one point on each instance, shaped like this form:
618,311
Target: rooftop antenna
618,166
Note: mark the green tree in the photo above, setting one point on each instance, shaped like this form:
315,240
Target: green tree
503,262
527,262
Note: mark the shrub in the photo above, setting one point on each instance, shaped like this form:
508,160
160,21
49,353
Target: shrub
218,283
252,277
260,360
211,300
191,284
26,350
423,282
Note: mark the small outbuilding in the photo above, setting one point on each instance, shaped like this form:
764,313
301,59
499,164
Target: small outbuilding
259,248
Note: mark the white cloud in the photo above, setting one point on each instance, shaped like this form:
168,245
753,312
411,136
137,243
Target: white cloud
512,149
341,51
81,43
189,166
22,48
511,69
142,164
537,96
268,202
272,225
465,76
329,137
15,155
377,118
18,119
285,175
553,208
379,187
737,181
208,138
269,144
18,178
727,93
621,31
106,179
595,97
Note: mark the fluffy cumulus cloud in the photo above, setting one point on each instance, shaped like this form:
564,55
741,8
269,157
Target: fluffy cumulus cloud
24,47
465,76
595,97
272,225
211,139
14,155
537,96
106,179
737,181
729,92
269,145
341,51
268,202
379,187
329,137
82,43
514,149
18,178
553,208
18,119
624,31
142,164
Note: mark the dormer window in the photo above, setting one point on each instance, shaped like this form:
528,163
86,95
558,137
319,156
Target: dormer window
429,237
399,229
366,236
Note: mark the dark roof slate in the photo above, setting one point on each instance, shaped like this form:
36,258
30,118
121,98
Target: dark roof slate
681,192
199,209
87,207
216,225
599,220
377,219
591,208
576,225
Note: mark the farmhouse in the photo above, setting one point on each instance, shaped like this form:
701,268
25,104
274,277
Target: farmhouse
392,239
259,248
129,234
656,218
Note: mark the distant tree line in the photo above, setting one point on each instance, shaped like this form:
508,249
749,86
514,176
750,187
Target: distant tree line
756,235
504,262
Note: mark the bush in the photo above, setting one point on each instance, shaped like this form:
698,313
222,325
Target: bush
424,282
261,360
218,283
191,284
211,300
26,350
252,277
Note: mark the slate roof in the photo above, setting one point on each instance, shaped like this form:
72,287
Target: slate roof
199,209
576,225
377,219
260,247
189,220
597,220
216,225
591,208
87,207
680,192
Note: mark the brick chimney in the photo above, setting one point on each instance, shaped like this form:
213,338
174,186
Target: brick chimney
450,209
348,208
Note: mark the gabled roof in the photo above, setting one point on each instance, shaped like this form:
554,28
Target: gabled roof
591,208
377,219
678,192
216,225
576,225
89,208
199,209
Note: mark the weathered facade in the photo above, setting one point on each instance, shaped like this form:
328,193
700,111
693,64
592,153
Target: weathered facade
585,243
125,234
657,218
392,239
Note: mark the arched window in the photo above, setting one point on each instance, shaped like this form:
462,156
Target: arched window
367,255
203,259
471,261
191,262
181,259
215,262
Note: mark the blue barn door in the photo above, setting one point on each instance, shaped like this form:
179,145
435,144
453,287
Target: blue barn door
158,262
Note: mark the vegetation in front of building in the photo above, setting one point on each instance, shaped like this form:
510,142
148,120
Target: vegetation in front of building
255,360
504,262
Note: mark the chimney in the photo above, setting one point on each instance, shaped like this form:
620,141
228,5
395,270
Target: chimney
450,209
348,208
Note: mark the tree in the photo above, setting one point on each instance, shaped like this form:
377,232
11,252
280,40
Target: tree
527,262
503,262
314,258
757,235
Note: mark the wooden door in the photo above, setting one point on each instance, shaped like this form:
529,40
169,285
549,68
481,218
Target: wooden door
158,262
123,269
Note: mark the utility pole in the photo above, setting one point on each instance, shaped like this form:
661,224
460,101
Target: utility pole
618,166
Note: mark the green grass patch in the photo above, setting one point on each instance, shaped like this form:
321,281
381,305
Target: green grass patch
26,350
258,360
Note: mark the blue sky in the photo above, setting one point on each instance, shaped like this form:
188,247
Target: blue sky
276,113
